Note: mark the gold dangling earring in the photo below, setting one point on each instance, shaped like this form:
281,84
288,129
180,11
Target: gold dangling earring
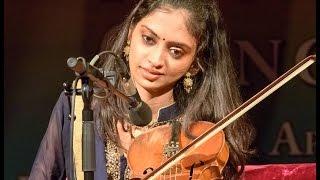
187,82
126,50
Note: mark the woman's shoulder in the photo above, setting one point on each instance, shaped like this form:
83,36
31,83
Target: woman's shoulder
62,102
61,108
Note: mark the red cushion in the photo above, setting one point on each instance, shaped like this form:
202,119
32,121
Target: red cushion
303,171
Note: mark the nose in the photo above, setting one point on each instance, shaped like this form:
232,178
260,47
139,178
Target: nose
157,57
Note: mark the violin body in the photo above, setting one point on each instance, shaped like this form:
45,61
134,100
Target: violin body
152,148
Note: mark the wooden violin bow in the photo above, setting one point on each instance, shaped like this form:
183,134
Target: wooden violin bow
234,115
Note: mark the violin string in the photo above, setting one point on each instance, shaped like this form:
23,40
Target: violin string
165,174
176,172
170,173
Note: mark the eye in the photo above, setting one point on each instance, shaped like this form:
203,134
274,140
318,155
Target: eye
176,52
148,40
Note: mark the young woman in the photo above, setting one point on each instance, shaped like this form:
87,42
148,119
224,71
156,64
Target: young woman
179,61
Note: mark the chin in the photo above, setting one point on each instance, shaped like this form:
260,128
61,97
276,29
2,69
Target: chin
151,86
155,87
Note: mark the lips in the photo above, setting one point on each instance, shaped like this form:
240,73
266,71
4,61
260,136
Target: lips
150,74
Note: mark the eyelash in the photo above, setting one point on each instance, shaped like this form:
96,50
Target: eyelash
147,39
150,41
174,55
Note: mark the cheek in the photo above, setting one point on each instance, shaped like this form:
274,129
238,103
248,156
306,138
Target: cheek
136,54
133,59
178,70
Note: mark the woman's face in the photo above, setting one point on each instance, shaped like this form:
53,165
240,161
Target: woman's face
161,50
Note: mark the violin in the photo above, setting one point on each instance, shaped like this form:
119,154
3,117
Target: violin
153,156
152,148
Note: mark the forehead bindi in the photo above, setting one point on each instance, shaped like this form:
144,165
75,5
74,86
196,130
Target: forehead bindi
168,24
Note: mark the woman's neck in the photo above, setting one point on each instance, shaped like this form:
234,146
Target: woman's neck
156,101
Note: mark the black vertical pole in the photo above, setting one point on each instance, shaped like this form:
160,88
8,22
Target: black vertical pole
88,139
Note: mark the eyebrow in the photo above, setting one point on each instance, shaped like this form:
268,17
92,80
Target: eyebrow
183,45
151,31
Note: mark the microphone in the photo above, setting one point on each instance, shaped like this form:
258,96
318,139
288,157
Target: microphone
83,68
139,112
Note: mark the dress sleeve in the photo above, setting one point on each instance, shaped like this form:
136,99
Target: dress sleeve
50,161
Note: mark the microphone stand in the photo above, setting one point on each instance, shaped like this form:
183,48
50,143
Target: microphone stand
88,137
89,77
88,134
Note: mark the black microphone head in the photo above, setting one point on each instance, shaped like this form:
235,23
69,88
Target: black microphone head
140,115
72,62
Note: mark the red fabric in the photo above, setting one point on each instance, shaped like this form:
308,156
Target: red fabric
306,171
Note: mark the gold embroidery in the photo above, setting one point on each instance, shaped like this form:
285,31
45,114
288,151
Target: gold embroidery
127,172
113,161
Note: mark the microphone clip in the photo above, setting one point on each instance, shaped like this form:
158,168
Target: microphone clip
67,89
